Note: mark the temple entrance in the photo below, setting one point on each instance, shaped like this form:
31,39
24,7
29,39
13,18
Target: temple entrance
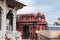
25,32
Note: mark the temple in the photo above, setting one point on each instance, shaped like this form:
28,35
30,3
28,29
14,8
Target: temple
8,9
27,24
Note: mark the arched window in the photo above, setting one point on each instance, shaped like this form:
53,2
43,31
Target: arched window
10,20
0,16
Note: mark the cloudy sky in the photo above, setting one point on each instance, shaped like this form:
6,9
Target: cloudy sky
51,8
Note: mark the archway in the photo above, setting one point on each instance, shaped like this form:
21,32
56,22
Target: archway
25,32
0,17
9,18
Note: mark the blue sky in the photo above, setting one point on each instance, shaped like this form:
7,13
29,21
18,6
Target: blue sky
51,8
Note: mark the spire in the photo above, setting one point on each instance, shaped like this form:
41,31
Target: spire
38,13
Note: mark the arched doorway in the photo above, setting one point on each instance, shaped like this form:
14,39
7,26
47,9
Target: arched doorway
25,32
0,17
9,20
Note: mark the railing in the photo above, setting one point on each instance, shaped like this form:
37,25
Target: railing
12,34
29,20
9,32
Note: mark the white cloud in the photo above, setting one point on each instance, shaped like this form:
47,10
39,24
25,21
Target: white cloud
50,8
33,9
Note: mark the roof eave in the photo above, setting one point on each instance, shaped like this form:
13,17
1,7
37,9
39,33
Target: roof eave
16,4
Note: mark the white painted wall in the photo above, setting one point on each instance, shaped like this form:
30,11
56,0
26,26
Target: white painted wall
4,22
